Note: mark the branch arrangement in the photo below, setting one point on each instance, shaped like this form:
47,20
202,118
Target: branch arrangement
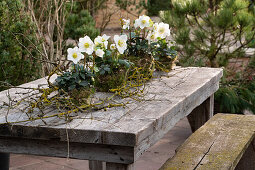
121,67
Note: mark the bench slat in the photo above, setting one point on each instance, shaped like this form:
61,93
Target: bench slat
219,144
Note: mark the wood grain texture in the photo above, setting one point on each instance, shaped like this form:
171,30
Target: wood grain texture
139,125
219,144
55,148
97,165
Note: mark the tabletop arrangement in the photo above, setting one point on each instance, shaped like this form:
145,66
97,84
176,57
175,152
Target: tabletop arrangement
121,66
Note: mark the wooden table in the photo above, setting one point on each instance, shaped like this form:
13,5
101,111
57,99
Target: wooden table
114,139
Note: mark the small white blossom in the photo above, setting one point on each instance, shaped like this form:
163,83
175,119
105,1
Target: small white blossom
101,41
142,22
86,45
100,53
155,27
98,41
74,55
163,30
152,36
136,24
121,43
126,23
113,47
105,40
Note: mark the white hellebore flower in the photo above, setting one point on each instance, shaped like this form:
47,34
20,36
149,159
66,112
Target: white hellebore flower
152,36
155,27
113,47
100,53
74,54
98,41
121,43
86,45
136,23
163,30
142,22
102,41
105,40
126,23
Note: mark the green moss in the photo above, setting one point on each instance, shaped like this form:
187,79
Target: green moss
81,96
104,83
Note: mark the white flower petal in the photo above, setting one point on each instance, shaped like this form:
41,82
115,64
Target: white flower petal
86,45
100,53
74,55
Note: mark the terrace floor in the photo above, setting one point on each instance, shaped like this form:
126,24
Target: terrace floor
150,160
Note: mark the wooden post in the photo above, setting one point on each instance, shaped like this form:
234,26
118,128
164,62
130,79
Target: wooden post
116,166
98,165
4,161
201,114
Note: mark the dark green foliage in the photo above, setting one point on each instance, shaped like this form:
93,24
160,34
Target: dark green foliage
209,33
18,56
154,6
235,99
77,78
80,23
136,5
205,29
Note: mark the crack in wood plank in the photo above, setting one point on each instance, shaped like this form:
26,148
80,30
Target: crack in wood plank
204,156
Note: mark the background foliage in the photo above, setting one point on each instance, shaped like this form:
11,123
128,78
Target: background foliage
79,23
18,56
211,33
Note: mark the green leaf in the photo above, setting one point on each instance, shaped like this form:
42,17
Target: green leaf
84,83
70,88
102,72
125,62
107,69
82,75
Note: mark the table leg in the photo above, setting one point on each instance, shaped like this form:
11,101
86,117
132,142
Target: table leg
4,161
201,114
116,166
98,165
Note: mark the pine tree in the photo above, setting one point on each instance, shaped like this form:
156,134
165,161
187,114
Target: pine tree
79,23
209,33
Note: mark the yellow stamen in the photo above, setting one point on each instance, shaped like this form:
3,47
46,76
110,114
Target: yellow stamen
143,22
121,43
161,30
86,45
75,55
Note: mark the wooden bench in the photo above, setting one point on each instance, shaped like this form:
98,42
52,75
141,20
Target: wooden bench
226,141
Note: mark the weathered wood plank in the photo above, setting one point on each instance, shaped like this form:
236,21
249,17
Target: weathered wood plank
139,124
56,148
219,144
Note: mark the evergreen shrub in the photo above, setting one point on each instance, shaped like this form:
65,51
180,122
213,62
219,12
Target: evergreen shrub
18,54
209,33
